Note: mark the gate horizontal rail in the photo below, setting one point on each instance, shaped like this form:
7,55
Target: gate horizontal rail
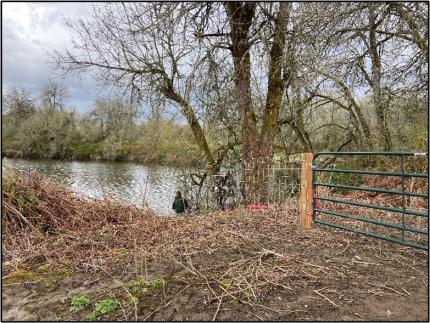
383,223
372,206
375,190
374,235
370,153
350,171
403,193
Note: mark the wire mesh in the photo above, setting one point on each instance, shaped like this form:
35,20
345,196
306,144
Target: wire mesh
261,183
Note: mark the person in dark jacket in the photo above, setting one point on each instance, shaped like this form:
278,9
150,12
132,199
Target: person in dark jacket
179,204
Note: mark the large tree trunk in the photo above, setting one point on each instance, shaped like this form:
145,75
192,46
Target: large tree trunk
380,108
240,17
276,84
290,77
275,91
257,150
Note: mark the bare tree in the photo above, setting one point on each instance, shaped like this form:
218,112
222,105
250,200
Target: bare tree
145,48
244,29
413,15
53,96
17,102
386,57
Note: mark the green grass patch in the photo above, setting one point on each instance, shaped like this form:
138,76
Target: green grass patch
42,274
158,282
44,267
78,303
103,308
141,286
87,150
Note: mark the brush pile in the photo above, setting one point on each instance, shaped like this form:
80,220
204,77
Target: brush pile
41,217
31,202
45,222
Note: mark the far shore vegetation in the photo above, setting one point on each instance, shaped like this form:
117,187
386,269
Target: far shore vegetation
45,128
111,130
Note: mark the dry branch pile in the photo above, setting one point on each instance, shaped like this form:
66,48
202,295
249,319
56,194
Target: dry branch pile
43,221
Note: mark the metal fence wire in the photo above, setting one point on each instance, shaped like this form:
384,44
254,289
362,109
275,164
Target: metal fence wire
279,178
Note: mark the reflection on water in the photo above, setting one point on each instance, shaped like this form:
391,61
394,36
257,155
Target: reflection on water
130,182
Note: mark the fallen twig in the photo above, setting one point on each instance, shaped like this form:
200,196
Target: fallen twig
325,297
389,288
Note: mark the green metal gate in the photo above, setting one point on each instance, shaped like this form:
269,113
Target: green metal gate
340,220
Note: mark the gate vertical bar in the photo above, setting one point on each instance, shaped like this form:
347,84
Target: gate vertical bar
402,169
314,191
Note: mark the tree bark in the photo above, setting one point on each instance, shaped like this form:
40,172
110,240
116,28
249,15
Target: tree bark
380,109
276,83
240,17
194,124
257,150
420,41
275,91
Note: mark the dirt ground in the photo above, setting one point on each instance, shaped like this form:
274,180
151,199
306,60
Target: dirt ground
275,273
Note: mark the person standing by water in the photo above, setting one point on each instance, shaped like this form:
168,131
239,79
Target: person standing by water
179,204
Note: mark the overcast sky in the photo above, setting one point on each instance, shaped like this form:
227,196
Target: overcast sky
30,32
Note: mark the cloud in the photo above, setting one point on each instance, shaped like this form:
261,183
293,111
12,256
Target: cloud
31,31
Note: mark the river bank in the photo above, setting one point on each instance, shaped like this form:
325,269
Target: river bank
120,262
143,159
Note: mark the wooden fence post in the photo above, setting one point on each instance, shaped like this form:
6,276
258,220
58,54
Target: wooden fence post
306,192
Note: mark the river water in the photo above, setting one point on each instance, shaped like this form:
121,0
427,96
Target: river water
130,182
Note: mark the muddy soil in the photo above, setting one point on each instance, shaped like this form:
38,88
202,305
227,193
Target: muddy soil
318,274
